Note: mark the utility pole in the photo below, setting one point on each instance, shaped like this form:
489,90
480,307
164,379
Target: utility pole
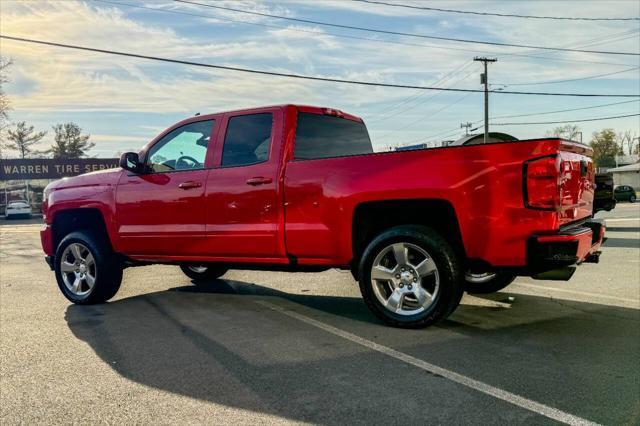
466,126
484,79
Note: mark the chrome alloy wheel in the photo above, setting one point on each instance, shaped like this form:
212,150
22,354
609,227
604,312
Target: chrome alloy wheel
78,269
479,278
405,279
198,269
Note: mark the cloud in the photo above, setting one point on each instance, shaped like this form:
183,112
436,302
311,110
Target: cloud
54,80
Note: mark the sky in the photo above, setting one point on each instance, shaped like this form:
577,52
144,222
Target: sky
123,103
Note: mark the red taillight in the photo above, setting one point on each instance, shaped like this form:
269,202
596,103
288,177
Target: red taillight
542,186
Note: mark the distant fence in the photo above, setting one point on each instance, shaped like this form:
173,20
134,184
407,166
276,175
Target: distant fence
47,168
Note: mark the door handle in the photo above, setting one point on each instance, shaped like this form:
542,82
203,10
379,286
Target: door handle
259,180
189,185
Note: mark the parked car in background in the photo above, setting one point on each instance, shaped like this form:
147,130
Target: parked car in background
603,198
624,193
19,208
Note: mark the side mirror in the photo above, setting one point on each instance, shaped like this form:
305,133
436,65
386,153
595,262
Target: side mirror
130,161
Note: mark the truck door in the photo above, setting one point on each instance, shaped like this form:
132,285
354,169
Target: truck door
244,213
162,211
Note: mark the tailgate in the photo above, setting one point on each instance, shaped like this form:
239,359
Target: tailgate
577,181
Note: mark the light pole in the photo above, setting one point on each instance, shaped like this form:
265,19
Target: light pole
484,79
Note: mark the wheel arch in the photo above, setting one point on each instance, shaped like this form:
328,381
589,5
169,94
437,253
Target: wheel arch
70,220
373,217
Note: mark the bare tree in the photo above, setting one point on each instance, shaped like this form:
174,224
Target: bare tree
22,138
5,105
628,138
568,131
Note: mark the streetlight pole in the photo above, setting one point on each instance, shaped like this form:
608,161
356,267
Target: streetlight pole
466,126
484,79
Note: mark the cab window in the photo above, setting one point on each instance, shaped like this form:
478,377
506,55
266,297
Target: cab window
247,140
184,148
324,136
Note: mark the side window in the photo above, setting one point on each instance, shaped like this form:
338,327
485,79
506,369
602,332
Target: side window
247,140
325,136
184,148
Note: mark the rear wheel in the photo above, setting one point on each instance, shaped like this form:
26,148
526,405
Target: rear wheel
87,270
201,273
410,277
487,282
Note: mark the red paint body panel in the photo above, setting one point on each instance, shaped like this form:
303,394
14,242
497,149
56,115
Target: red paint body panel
244,217
304,209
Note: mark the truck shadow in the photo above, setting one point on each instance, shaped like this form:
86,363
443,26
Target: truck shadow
219,345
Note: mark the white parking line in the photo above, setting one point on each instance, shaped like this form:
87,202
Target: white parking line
629,219
503,395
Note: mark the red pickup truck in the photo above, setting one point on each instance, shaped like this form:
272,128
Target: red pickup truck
300,188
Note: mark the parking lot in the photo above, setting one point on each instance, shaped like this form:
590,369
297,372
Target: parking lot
271,348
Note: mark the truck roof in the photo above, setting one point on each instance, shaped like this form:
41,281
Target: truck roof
300,107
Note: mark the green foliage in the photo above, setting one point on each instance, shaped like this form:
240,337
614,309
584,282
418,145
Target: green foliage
605,148
23,138
69,142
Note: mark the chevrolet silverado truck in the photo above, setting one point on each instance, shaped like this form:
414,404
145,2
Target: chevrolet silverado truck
300,188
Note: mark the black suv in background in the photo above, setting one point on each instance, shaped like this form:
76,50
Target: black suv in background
603,198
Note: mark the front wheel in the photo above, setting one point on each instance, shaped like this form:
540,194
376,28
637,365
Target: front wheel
487,282
201,273
632,199
410,277
87,270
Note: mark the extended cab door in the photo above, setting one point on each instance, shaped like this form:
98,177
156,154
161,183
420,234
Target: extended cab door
244,214
162,210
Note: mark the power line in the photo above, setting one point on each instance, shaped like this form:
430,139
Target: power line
419,93
384,115
304,77
449,131
398,33
429,114
377,40
565,121
502,15
561,110
568,80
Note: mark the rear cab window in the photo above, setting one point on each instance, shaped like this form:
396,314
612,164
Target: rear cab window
247,140
328,136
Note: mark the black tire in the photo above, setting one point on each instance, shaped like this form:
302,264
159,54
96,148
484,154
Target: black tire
448,267
632,198
211,272
497,283
108,268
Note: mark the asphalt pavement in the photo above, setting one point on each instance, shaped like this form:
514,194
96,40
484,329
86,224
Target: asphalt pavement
278,348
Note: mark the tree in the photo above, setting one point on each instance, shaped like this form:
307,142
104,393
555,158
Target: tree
69,142
568,131
4,101
628,138
23,138
605,148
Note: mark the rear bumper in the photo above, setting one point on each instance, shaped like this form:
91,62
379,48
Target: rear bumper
565,249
